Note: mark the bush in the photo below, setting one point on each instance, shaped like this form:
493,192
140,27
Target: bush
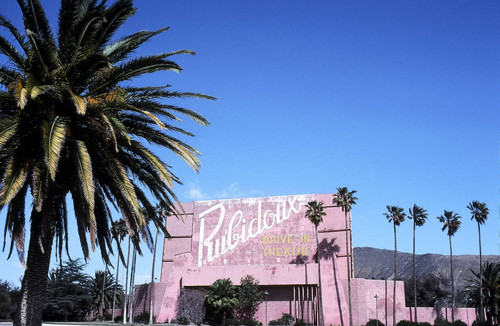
441,322
249,298
373,322
143,318
424,323
405,323
286,319
118,319
459,323
191,305
182,320
300,322
481,323
245,322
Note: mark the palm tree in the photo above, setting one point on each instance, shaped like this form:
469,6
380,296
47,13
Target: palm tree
479,213
345,199
222,297
451,221
102,287
69,125
418,215
491,290
396,216
314,213
119,230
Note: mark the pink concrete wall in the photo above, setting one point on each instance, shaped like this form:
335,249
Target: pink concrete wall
269,238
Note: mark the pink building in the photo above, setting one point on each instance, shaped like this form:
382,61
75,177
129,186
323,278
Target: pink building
271,239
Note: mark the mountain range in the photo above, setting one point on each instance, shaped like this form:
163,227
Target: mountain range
373,263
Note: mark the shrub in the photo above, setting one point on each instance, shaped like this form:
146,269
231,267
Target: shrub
300,322
441,322
143,318
286,319
405,323
459,323
249,298
373,322
118,319
424,323
245,322
182,320
192,305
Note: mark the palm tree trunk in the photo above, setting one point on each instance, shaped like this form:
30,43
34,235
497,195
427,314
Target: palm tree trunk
452,285
114,290
151,293
481,308
414,275
395,277
322,321
347,247
132,287
101,305
30,309
125,302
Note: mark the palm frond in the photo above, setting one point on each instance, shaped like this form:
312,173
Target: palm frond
12,54
4,22
54,137
13,180
84,169
8,127
120,49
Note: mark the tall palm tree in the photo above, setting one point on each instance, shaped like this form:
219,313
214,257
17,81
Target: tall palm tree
119,230
451,221
345,199
396,216
314,213
479,213
69,125
418,215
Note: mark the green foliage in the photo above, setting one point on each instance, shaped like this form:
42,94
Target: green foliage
482,323
68,293
285,319
9,298
191,305
221,299
459,323
374,322
441,322
143,318
424,323
405,323
300,322
431,291
97,291
491,289
315,212
249,298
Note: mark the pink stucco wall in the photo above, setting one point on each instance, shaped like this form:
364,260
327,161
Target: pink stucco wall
271,239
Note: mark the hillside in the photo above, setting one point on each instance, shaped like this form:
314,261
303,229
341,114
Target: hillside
379,264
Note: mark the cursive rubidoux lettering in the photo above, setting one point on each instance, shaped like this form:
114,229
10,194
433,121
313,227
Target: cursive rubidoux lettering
238,231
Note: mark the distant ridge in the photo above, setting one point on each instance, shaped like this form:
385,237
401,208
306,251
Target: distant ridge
379,264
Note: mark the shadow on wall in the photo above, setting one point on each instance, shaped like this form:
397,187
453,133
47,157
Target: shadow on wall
326,251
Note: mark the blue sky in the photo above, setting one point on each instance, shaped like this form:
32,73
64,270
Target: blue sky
396,99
